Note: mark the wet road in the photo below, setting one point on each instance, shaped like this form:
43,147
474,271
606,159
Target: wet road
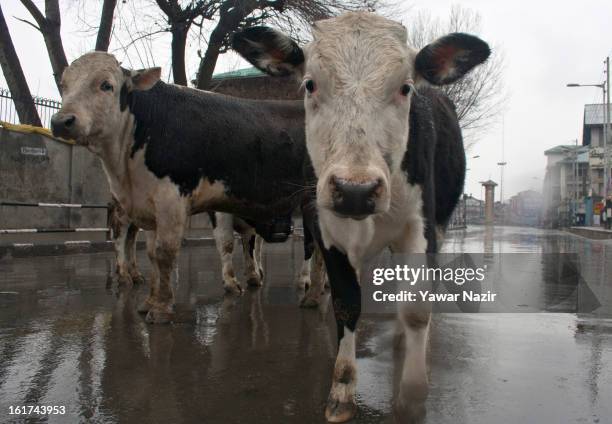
66,338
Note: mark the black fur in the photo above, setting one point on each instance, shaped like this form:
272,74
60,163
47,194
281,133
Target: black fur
464,50
256,148
124,97
269,42
435,157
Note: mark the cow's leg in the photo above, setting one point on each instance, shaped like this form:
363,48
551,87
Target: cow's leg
316,275
223,233
148,303
251,268
346,296
309,248
171,218
130,251
304,277
414,319
258,255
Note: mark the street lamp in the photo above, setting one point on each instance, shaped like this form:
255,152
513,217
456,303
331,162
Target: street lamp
501,186
605,88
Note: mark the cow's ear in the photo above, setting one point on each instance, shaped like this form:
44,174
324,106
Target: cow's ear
269,51
144,79
451,57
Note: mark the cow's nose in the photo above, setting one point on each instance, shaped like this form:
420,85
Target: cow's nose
62,124
354,199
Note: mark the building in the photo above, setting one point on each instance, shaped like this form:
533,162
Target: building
525,208
566,185
592,136
474,210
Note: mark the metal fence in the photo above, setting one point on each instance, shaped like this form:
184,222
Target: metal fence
45,107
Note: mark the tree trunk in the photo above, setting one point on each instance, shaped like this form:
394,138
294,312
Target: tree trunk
230,16
106,25
53,40
50,26
17,84
209,61
179,40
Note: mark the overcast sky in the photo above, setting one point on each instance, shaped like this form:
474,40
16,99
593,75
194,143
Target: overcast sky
546,43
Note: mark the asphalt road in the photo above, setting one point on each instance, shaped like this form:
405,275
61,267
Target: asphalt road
69,338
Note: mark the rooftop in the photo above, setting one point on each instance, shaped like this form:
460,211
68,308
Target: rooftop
564,148
239,73
488,183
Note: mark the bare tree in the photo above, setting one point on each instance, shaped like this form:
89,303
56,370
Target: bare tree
180,20
480,96
106,25
49,26
17,84
291,15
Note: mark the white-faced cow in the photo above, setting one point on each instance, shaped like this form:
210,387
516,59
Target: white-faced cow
387,153
171,151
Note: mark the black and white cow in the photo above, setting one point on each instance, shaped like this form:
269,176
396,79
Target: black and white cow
388,156
171,151
124,233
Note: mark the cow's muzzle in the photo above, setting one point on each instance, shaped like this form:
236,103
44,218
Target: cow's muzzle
63,125
354,199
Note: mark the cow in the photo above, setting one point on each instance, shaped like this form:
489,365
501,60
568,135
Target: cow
388,157
123,234
170,151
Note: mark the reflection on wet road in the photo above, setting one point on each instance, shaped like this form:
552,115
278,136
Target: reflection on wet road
66,338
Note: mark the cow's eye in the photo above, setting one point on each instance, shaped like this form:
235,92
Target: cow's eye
405,90
310,85
106,86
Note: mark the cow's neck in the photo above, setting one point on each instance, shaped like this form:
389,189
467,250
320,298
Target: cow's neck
114,155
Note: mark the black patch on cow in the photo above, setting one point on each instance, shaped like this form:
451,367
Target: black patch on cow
345,289
458,51
435,157
261,45
257,148
124,97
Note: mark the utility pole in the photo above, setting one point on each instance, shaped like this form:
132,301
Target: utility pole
607,129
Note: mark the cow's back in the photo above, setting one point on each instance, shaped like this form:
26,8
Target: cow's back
256,148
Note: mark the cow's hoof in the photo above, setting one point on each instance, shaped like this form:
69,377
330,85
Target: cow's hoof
310,302
138,278
124,281
233,288
160,316
339,412
261,274
304,284
144,307
409,412
254,282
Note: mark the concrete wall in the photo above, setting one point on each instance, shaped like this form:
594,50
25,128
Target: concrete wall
34,168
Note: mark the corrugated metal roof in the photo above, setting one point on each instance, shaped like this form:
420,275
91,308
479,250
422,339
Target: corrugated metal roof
594,114
564,148
239,73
